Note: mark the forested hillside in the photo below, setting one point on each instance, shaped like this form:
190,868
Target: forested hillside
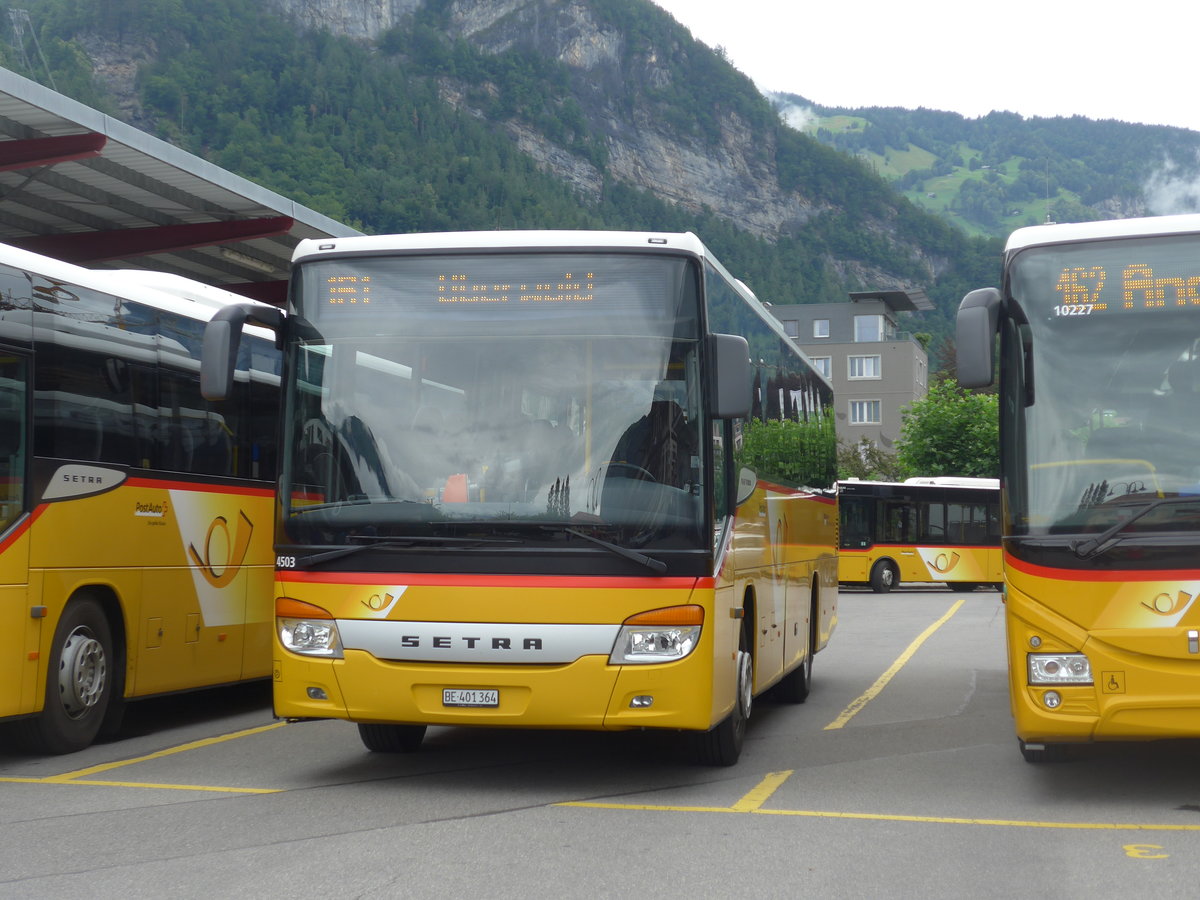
468,114
1003,171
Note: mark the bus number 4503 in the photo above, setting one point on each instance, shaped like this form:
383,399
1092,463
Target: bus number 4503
285,562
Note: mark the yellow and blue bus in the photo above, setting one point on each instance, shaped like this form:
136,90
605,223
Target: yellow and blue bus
941,530
1099,363
135,517
546,480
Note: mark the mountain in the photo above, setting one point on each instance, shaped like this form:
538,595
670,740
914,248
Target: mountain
1001,171
415,115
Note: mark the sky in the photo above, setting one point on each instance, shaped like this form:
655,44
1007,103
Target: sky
1136,62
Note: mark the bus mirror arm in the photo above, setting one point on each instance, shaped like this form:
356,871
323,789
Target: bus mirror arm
732,383
975,337
222,335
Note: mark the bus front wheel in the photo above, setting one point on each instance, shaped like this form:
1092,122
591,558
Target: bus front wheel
391,738
79,682
722,745
883,577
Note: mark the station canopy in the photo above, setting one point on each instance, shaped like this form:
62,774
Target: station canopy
83,187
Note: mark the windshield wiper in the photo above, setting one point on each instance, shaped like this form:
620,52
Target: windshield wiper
313,559
297,510
655,565
1111,536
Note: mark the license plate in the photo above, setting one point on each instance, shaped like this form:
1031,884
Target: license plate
475,697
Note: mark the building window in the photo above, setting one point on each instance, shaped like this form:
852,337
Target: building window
868,328
791,328
820,328
822,365
864,367
865,412
920,372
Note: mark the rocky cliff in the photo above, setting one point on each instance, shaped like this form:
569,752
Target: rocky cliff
734,175
364,19
643,105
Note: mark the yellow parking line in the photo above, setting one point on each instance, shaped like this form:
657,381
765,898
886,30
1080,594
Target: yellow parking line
753,801
761,794
884,817
170,751
882,681
1003,823
78,776
146,784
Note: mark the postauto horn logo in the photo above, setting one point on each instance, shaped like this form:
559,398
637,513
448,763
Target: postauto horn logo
218,543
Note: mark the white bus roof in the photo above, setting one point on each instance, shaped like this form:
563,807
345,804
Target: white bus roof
496,240
956,481
1036,235
992,484
161,290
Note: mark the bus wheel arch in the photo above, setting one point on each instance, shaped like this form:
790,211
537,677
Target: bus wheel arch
885,575
85,676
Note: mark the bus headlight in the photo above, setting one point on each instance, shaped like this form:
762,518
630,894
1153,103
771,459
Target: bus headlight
661,635
307,629
1059,668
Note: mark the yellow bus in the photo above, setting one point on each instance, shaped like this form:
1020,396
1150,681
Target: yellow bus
543,479
135,518
1099,349
942,530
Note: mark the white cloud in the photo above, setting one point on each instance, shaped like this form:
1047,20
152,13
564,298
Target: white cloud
1171,190
794,115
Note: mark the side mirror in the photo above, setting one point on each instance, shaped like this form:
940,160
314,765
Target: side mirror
975,337
222,335
732,376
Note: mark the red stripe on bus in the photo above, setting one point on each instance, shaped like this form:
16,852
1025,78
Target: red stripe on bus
456,580
202,486
851,550
22,528
1101,575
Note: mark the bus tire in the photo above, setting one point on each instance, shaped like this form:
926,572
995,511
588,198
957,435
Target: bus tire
391,738
79,682
883,576
722,744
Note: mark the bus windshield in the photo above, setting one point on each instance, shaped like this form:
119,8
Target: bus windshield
1114,332
504,394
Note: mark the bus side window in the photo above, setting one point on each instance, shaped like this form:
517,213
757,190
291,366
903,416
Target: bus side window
897,523
13,381
933,522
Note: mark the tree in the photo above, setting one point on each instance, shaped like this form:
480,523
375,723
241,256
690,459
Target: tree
868,462
951,431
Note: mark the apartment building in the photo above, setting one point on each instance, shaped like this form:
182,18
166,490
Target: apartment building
876,368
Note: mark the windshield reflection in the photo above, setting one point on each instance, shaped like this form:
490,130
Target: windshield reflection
500,434
1115,424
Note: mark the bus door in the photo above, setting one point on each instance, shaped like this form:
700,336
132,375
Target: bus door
19,625
898,521
857,535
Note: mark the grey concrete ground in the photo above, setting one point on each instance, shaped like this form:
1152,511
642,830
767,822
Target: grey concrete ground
909,786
